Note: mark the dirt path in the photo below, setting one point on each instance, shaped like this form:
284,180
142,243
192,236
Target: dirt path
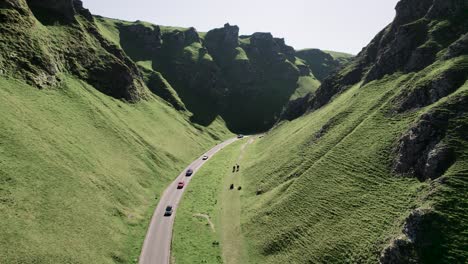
231,236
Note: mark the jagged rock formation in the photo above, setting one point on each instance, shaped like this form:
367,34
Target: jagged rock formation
139,39
420,233
425,151
420,32
426,92
247,80
230,75
41,63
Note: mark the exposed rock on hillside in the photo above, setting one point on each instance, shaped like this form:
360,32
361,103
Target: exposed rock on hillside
24,51
424,151
427,92
458,48
138,38
226,38
419,34
220,73
41,63
421,231
246,80
60,9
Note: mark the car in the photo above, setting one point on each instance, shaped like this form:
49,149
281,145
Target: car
205,157
189,172
168,211
240,136
180,185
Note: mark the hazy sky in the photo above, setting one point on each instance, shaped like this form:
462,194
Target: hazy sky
341,25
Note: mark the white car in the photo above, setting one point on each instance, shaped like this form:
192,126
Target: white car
205,157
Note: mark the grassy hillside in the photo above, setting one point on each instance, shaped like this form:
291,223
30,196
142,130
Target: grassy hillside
329,193
80,171
339,55
88,138
322,63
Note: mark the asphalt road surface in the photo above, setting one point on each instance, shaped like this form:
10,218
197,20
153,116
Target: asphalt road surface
157,246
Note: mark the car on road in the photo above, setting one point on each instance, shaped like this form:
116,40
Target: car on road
168,211
180,185
205,157
240,136
189,172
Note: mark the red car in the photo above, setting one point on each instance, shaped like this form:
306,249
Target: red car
181,185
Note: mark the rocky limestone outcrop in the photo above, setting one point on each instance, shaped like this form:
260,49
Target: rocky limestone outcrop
42,63
400,250
265,45
24,53
421,234
424,93
178,39
139,39
458,48
413,41
226,37
58,10
414,38
424,151
221,43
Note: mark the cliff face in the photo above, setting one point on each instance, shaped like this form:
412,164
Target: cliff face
422,33
246,80
41,56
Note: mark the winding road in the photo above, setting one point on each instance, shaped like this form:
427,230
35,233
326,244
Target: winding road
157,245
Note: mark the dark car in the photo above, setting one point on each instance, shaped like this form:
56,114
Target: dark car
189,172
240,136
168,211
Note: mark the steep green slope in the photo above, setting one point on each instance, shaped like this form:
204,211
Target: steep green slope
329,194
80,171
81,167
375,170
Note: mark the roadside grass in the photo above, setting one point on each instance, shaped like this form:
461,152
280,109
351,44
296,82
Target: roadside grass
193,238
80,171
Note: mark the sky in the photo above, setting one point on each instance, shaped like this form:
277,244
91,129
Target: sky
339,25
